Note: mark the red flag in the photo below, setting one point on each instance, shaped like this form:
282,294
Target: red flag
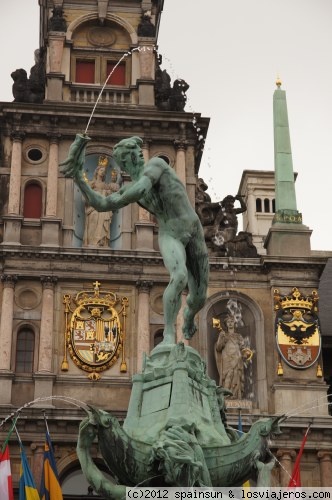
6,487
295,480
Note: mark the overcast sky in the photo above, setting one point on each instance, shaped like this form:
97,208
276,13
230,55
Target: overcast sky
230,52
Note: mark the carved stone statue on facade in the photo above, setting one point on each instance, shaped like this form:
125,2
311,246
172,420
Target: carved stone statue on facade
30,89
169,98
57,22
220,223
231,353
97,224
146,28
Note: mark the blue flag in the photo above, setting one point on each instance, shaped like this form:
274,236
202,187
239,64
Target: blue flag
27,487
50,486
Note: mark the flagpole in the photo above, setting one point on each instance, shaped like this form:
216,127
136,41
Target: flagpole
17,434
13,426
45,420
295,478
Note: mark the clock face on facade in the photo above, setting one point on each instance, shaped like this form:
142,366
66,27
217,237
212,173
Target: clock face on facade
94,330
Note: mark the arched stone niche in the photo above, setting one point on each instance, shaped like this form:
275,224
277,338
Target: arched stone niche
250,325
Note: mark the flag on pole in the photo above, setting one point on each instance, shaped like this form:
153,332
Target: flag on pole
50,486
246,484
6,485
27,487
295,480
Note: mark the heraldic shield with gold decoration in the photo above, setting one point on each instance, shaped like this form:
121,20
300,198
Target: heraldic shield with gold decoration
95,334
297,328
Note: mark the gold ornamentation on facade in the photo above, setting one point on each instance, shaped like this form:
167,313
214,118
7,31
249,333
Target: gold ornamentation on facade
297,328
94,332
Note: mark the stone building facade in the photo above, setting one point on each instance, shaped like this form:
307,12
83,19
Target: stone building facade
45,264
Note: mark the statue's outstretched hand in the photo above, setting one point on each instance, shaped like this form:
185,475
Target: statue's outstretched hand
73,165
87,432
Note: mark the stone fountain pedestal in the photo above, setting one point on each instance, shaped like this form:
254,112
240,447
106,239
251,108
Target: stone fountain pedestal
174,390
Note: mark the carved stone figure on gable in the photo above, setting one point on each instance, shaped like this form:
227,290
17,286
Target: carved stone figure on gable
19,88
169,98
146,27
30,89
220,223
57,22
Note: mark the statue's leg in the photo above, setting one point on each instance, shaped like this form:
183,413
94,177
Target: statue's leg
174,257
198,278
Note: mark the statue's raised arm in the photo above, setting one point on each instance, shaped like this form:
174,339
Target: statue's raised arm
156,187
73,165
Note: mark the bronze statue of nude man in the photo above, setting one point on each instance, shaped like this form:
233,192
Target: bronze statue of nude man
156,187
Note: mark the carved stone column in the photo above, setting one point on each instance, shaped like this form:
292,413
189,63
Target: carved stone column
13,221
144,226
55,77
251,211
143,321
325,466
46,325
15,175
51,225
146,71
180,163
285,458
6,334
52,177
37,461
44,376
6,325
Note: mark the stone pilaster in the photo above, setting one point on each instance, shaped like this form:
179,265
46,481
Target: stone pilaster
180,163
52,177
13,221
146,71
15,175
285,458
325,466
46,325
50,224
55,77
6,334
45,376
37,461
143,321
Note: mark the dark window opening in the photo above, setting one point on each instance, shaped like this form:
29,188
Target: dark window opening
32,208
118,73
35,154
85,72
25,347
258,205
266,205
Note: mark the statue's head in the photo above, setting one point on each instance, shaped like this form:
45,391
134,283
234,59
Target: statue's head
128,153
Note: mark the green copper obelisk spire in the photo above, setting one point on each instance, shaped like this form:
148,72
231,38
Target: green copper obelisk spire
287,235
286,209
